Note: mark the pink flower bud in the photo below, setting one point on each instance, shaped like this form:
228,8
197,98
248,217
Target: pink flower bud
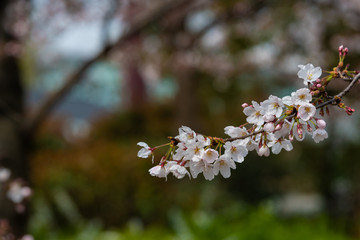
309,128
341,47
244,105
269,127
291,135
318,80
318,85
349,110
346,50
278,127
321,123
299,130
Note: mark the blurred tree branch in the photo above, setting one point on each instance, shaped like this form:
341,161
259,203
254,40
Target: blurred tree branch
134,29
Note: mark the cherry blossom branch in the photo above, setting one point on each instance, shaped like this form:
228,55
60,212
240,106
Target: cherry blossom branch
336,98
274,124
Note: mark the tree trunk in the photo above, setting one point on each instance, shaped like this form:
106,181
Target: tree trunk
13,147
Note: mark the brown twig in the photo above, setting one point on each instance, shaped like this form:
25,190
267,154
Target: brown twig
342,93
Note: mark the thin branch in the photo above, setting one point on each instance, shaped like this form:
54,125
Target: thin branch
245,136
134,29
342,93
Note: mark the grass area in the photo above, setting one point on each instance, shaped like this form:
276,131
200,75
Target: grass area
231,224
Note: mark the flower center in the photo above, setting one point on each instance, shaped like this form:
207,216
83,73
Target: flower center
233,149
196,150
309,76
276,105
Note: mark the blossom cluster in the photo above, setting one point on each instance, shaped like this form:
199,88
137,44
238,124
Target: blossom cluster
16,190
271,125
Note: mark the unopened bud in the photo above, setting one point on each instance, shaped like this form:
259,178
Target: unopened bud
321,123
309,128
299,130
278,127
318,85
349,110
291,135
244,105
341,47
346,50
269,127
318,80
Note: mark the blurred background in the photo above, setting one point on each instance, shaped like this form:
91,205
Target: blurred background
81,82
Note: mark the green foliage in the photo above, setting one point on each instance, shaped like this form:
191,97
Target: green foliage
234,222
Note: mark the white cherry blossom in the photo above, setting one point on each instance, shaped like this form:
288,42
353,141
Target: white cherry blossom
186,134
287,100
254,114
281,143
158,171
319,135
210,155
306,111
180,152
263,151
196,147
253,143
236,150
309,73
272,106
208,173
301,96
285,129
202,167
236,131
178,171
223,165
145,151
